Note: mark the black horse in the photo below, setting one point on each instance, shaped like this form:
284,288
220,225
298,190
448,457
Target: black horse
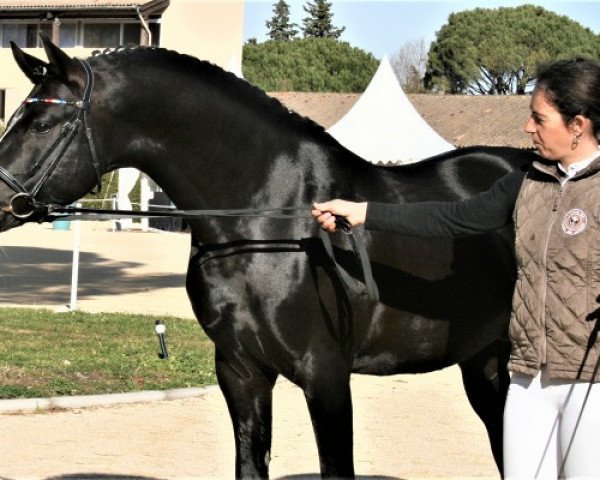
264,289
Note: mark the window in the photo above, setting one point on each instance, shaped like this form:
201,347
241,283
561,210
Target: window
73,33
3,105
155,30
106,35
101,35
131,34
25,35
67,35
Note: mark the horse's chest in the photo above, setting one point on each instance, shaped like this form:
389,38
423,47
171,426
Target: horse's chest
257,282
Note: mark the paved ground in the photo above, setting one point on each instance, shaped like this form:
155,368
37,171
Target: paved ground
406,427
131,271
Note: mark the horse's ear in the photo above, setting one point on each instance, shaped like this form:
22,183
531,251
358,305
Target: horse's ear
66,68
32,67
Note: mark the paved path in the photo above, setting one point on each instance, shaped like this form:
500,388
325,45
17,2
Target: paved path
406,427
128,271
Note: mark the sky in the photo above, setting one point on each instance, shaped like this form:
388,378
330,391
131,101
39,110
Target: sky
381,27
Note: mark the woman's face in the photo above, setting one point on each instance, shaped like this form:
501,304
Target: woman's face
551,136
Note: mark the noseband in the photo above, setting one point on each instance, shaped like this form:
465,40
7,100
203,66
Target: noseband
23,204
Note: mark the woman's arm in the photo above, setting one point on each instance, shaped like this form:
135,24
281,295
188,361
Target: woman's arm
487,211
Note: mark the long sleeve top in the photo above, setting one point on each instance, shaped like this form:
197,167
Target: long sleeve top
486,211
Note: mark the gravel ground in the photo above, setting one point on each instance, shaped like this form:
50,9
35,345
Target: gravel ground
406,427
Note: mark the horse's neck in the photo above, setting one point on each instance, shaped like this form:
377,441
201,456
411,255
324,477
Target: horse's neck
210,150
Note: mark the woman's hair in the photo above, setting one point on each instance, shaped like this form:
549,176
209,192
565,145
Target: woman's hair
573,87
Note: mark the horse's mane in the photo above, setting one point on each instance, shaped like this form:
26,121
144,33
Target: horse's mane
228,82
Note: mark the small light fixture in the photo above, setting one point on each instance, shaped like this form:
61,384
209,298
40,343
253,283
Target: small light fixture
160,328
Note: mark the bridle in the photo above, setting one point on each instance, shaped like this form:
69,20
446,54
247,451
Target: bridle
24,204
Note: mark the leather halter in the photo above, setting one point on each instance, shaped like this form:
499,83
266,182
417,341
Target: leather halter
23,204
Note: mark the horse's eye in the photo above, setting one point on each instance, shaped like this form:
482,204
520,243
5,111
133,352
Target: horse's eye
41,127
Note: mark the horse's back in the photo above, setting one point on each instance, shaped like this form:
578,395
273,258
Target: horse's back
442,299
452,175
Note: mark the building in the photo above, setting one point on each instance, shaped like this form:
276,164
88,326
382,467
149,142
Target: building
462,120
207,29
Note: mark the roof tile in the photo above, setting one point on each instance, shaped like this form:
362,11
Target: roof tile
69,4
462,120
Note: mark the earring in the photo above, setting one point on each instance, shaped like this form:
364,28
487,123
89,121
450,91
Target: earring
575,142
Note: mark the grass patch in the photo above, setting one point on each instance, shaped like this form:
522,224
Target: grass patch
44,354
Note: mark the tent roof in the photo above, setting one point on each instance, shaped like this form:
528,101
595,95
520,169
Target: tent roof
384,126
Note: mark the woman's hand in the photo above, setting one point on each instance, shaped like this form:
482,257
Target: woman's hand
325,213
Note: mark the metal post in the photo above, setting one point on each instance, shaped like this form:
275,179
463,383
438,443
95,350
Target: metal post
75,267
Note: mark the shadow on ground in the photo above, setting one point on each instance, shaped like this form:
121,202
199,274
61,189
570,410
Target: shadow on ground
41,275
103,476
99,476
93,476
316,476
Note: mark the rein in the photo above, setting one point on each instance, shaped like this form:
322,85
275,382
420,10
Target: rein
23,204
59,212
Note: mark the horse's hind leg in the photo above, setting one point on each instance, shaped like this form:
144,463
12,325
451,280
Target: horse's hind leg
248,391
330,405
486,381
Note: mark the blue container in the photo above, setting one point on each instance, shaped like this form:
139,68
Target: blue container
61,225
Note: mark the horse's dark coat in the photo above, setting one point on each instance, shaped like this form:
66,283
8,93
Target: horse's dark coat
263,289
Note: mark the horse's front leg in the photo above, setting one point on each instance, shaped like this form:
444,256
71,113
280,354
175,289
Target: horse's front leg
327,392
248,391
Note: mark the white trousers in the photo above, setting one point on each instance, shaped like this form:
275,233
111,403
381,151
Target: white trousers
551,429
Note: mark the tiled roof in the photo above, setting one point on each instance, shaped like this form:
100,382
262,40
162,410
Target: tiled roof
466,120
41,4
74,8
325,108
462,120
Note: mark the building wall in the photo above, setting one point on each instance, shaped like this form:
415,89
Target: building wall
16,85
208,29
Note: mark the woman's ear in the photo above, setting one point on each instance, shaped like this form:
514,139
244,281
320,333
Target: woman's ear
581,125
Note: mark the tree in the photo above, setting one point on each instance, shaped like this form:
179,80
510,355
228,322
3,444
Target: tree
308,65
409,64
496,51
319,23
280,28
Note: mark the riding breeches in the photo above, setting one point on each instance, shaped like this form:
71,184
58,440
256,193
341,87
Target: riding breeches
551,429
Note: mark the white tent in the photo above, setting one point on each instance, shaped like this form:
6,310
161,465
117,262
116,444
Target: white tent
383,126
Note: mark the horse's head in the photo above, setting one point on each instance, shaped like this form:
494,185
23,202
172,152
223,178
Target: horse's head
45,155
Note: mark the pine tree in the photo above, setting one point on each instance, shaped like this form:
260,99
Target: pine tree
319,23
495,51
308,65
280,28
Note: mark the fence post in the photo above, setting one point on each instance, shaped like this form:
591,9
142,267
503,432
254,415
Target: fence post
75,267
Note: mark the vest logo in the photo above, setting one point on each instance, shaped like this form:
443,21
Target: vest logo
574,222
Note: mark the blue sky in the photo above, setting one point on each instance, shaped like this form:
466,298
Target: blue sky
383,26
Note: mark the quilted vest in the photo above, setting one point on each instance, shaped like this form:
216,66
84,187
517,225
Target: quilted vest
556,302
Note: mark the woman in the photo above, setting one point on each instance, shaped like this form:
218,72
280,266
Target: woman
552,413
